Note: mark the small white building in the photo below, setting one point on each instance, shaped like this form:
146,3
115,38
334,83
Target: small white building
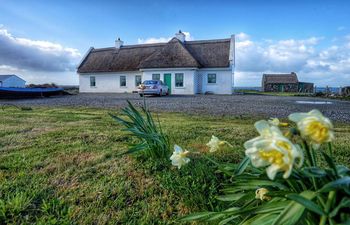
187,67
12,81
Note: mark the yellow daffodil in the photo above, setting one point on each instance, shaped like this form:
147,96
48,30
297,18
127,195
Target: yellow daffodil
276,122
314,127
178,158
261,194
215,143
272,149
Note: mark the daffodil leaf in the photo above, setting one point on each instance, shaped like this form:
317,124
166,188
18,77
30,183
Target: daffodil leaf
330,162
344,203
242,166
293,211
314,172
231,197
261,219
197,216
225,221
342,183
310,205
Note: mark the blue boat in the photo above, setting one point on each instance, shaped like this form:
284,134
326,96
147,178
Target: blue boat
9,92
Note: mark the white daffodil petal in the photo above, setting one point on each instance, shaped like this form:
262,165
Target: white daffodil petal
262,127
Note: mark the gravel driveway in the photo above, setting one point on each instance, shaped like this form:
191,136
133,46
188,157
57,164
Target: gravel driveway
237,105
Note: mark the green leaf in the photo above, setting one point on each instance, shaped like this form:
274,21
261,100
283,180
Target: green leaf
343,170
261,219
242,166
225,221
231,197
342,183
344,203
330,162
293,211
314,172
310,205
197,216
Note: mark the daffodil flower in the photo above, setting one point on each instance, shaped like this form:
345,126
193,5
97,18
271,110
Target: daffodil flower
261,194
178,158
215,143
276,122
314,127
274,150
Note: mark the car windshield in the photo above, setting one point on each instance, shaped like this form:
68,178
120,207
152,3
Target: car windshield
150,82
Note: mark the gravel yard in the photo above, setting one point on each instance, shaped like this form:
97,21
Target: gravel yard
236,105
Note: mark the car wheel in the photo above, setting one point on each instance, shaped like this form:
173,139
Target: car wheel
160,93
141,95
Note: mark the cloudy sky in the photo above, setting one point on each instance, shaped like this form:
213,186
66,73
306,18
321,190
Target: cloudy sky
43,41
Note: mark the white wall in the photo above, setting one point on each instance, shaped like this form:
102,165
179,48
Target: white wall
13,82
223,81
108,82
187,89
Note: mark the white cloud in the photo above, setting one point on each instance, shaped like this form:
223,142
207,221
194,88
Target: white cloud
313,63
341,28
152,40
35,55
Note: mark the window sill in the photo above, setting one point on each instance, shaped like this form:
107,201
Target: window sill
123,86
211,83
180,87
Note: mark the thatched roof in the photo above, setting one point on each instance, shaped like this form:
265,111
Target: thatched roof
174,54
280,78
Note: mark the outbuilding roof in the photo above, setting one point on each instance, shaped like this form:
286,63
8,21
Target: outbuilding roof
174,54
7,76
280,78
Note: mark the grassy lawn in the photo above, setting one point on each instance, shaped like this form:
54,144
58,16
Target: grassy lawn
61,166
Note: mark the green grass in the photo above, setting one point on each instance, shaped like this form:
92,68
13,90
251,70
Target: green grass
60,166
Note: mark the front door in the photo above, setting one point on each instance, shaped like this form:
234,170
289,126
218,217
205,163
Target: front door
167,81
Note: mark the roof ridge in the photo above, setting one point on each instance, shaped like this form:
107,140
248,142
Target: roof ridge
208,41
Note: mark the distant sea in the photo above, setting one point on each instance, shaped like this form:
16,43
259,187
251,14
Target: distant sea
318,89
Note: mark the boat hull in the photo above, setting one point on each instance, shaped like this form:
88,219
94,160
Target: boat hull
29,92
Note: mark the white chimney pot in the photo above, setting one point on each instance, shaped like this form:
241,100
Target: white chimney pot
180,36
118,43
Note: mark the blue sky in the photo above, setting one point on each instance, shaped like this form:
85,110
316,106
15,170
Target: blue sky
311,38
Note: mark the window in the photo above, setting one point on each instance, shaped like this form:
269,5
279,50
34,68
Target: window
138,80
179,79
156,76
122,81
92,82
211,78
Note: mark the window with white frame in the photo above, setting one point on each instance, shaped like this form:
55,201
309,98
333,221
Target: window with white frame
122,81
211,78
156,76
179,79
92,81
138,80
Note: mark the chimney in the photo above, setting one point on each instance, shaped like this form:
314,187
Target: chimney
180,36
118,43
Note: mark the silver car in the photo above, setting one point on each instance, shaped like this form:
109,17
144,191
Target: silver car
153,87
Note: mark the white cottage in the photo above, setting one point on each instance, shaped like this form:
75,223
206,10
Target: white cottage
12,81
187,67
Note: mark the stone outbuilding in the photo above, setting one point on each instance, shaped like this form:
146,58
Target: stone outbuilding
285,83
